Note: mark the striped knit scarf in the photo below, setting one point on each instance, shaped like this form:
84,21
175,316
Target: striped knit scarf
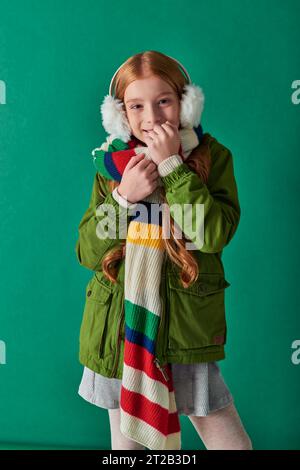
147,403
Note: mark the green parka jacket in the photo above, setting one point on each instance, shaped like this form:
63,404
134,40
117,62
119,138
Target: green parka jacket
193,323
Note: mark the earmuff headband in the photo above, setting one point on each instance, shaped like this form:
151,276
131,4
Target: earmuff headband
179,63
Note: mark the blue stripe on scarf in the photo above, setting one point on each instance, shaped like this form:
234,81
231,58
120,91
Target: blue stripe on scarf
139,338
199,132
150,214
111,167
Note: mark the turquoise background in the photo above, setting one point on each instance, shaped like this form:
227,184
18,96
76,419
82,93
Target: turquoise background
57,59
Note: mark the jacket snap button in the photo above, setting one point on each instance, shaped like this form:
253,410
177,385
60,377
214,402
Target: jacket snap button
89,293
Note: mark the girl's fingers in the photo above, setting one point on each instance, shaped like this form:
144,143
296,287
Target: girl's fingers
134,160
167,128
144,163
154,170
154,176
157,132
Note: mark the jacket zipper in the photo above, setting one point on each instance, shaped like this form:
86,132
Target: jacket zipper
118,341
156,360
162,369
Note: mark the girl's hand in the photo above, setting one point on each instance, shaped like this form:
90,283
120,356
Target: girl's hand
163,141
139,179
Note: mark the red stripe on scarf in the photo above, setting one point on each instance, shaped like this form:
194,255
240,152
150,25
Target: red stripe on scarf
156,416
121,158
138,357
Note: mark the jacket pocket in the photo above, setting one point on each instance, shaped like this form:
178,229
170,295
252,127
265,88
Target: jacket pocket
197,314
94,323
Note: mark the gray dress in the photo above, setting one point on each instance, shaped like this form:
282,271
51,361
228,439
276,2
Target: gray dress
199,389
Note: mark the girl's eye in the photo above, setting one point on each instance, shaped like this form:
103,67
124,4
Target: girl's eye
163,99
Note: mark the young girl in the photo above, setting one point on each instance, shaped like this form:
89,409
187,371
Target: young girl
157,152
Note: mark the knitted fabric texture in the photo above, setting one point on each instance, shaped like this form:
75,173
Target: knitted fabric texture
148,409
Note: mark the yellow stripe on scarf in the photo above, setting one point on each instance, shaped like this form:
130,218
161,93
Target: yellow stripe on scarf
145,234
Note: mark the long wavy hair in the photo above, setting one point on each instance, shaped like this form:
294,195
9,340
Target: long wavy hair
140,66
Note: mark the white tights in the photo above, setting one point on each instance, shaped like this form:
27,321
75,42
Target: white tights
219,430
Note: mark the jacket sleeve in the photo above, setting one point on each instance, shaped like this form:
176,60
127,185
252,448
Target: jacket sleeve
219,197
103,225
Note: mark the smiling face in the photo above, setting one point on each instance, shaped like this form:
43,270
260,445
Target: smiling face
150,101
